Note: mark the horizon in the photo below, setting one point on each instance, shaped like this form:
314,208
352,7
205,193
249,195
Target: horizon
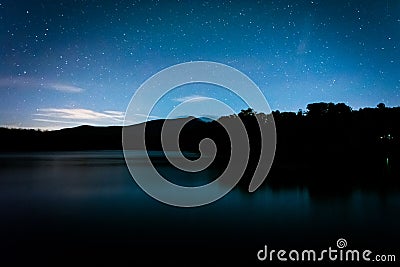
304,112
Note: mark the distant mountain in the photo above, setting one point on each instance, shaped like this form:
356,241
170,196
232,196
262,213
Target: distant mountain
89,137
205,119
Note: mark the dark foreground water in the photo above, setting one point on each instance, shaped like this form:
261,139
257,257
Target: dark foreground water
84,208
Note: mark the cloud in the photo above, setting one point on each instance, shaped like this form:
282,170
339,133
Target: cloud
66,88
191,98
115,113
55,121
153,117
137,118
29,83
79,116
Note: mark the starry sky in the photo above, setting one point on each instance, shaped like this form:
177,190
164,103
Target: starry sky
67,63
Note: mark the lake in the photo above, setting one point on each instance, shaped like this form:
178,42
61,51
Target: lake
85,207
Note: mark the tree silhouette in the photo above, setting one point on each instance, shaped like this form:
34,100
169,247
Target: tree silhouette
246,113
381,106
322,109
316,110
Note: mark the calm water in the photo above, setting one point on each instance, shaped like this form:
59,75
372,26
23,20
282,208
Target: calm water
86,206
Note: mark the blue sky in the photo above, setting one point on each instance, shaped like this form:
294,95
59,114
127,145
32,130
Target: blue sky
66,63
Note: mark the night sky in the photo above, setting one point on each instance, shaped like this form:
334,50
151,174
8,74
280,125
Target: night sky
66,63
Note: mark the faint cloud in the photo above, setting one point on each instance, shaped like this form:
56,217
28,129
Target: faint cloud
148,116
191,98
79,116
304,41
119,114
140,118
66,88
56,121
30,83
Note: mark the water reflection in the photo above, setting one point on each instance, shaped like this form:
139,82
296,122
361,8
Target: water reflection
90,199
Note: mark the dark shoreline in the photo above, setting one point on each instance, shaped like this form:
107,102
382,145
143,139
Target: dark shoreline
329,145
